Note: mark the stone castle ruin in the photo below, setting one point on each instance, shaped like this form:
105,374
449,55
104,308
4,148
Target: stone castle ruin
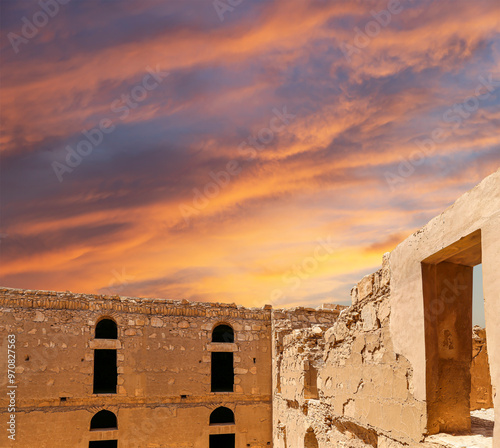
401,367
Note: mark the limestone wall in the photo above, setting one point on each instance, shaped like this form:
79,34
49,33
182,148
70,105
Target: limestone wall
362,394
284,322
164,362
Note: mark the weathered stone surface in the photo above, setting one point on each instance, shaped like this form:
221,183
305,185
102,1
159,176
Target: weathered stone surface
340,331
330,336
317,330
369,318
156,322
365,287
162,354
39,317
354,295
481,390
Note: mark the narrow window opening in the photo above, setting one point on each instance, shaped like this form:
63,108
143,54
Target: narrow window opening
103,421
222,441
106,329
222,372
221,416
311,383
105,372
223,333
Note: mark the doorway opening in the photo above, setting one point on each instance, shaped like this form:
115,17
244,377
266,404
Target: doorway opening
452,368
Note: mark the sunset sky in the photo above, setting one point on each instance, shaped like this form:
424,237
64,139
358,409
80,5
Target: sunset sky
268,152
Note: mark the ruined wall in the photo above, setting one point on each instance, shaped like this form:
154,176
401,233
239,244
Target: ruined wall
481,392
396,366
164,363
285,324
361,389
285,321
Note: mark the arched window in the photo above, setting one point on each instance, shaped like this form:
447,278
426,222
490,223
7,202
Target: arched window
104,420
223,333
222,415
106,329
311,383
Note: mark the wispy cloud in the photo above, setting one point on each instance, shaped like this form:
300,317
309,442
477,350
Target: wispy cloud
323,174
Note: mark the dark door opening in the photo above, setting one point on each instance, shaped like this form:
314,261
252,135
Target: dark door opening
222,441
105,372
104,444
222,372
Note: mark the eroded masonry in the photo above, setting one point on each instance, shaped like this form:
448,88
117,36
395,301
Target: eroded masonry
401,367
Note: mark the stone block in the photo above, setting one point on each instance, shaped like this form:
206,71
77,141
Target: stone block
39,317
365,287
369,317
330,335
384,311
386,270
156,322
317,330
354,295
340,331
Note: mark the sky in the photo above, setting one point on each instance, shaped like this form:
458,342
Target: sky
247,151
